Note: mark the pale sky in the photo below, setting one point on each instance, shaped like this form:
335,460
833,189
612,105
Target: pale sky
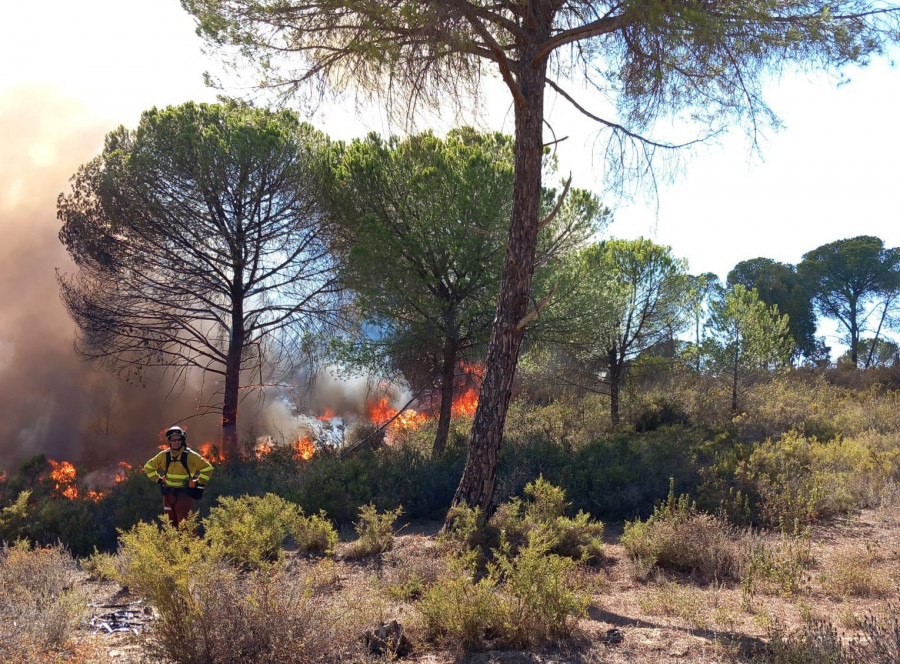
830,174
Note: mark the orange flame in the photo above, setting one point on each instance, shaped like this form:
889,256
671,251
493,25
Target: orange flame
474,369
94,496
210,452
262,449
122,473
327,415
466,403
408,420
63,476
304,449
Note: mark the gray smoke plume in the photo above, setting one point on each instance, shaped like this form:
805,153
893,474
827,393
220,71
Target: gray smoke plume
51,401
55,403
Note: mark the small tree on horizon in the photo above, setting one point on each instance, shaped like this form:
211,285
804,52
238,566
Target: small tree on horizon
852,280
623,298
747,338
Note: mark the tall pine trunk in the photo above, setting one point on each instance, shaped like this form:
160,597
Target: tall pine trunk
479,478
615,381
448,374
233,380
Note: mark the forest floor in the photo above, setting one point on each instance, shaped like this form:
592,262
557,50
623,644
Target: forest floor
855,571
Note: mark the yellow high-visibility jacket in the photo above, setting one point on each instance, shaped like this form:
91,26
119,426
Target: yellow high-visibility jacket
176,477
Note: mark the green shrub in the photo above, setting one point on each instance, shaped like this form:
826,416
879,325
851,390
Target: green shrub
14,518
251,530
526,599
313,533
793,483
375,531
580,537
468,532
101,566
40,605
460,611
543,598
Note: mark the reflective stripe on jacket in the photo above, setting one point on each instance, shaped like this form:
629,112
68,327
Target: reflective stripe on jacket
177,477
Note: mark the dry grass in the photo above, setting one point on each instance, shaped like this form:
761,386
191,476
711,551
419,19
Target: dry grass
666,619
40,602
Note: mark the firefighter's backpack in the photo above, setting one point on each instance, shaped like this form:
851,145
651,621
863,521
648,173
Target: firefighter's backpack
194,492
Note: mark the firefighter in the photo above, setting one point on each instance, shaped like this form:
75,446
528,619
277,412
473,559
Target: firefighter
181,473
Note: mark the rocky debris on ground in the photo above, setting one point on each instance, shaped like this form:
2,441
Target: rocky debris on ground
132,617
388,638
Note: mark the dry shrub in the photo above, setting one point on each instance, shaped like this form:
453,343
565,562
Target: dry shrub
412,569
880,640
261,617
817,642
680,538
776,567
211,613
39,603
850,574
671,599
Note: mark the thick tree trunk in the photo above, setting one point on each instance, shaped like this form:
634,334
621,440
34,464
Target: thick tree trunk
232,382
448,374
734,389
479,478
615,380
854,337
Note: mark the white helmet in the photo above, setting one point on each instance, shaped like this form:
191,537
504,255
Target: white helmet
176,431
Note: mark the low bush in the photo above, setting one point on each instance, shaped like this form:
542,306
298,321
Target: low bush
672,599
375,532
775,567
850,574
526,599
542,512
880,639
251,530
459,611
314,533
681,538
40,605
816,643
543,596
211,613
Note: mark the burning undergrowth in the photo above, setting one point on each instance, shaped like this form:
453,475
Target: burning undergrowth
345,415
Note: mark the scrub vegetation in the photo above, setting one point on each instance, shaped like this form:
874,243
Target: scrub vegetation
770,535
